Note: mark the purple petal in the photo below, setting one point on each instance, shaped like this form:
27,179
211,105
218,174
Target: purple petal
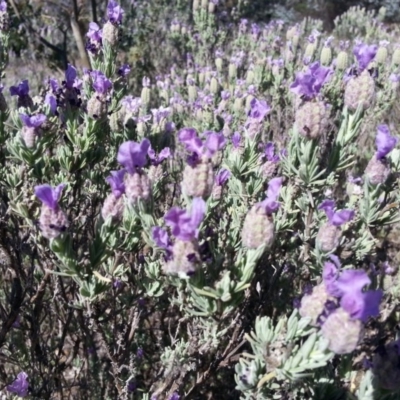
132,155
51,101
214,142
164,154
114,12
20,386
37,120
57,191
258,109
236,140
351,281
341,217
384,142
362,305
180,223
45,194
189,138
116,181
270,152
364,54
160,237
222,177
197,212
70,75
274,188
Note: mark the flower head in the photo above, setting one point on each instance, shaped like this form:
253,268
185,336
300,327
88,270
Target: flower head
34,121
185,225
114,12
364,54
94,33
157,159
20,386
336,218
309,83
116,181
384,142
132,155
49,196
213,142
22,89
270,204
259,109
101,84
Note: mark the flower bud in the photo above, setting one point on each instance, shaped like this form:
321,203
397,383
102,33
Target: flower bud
137,186
219,64
214,85
250,77
326,55
328,237
110,33
29,136
343,333
313,304
310,50
196,5
204,4
386,366
185,260
342,60
211,8
198,180
192,93
96,107
145,96
113,208
377,171
232,71
359,90
52,222
258,228
396,56
311,119
381,55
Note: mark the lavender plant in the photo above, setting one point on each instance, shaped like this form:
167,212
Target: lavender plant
225,232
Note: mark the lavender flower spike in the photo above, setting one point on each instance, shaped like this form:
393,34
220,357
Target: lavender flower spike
49,196
384,142
101,84
21,90
116,181
184,225
258,110
132,155
20,386
364,55
336,218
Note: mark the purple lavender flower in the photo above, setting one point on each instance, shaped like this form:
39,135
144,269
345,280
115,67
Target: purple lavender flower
3,6
308,84
114,12
71,80
157,159
51,101
213,143
364,54
161,238
174,396
101,84
94,33
236,138
336,218
34,121
270,153
132,155
330,274
258,110
360,305
222,177
124,70
20,386
160,113
22,89
384,142
132,104
116,181
270,204
184,226
49,196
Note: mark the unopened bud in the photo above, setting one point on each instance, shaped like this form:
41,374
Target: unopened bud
313,304
186,259
311,119
360,91
258,228
342,60
52,222
343,332
137,187
145,96
110,33
377,171
198,181
326,55
328,237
